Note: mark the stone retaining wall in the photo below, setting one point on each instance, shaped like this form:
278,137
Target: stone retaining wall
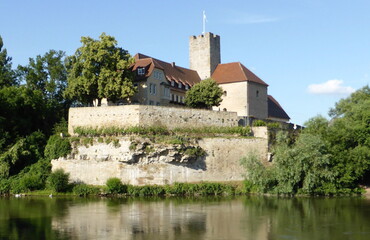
144,115
95,164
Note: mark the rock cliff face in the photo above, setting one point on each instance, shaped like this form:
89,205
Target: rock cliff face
140,161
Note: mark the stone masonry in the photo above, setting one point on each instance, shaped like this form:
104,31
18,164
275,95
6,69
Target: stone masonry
204,54
145,115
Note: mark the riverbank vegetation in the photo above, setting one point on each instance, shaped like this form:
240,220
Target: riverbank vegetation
329,157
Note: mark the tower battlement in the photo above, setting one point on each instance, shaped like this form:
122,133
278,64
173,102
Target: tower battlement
204,53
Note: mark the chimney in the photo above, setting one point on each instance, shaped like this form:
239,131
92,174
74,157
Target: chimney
173,64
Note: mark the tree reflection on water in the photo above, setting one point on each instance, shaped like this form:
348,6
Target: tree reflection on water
250,217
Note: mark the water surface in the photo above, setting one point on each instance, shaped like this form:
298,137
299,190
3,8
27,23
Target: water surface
251,217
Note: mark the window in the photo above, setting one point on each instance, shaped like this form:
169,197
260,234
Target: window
141,71
225,93
166,92
158,75
172,97
257,93
177,98
152,88
186,87
172,83
180,85
151,102
158,104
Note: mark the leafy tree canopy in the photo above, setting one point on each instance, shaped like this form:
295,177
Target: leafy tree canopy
204,94
99,69
328,157
46,73
7,76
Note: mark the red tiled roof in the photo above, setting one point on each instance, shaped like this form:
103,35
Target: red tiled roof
275,110
171,71
234,72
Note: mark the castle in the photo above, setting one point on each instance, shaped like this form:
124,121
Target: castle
165,84
140,160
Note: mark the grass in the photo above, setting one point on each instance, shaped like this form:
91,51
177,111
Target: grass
163,131
176,189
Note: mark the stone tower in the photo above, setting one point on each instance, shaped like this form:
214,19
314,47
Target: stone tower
204,54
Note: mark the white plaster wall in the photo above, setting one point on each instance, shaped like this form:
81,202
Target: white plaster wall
235,99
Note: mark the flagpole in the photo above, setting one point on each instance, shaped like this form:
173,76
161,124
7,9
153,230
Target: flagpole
204,22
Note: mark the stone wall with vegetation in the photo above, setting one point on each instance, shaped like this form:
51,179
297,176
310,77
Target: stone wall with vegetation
143,115
142,161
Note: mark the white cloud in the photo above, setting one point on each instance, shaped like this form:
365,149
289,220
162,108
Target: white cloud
330,87
251,19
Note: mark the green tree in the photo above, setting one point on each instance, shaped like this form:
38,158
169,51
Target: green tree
99,69
46,73
7,75
204,95
349,136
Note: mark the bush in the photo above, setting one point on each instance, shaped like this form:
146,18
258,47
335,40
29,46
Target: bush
57,147
115,186
85,190
4,186
259,123
58,181
31,182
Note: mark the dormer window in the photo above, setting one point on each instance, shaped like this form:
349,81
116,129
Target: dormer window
186,87
172,83
180,85
141,71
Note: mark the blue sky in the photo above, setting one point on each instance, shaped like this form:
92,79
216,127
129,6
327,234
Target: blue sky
311,52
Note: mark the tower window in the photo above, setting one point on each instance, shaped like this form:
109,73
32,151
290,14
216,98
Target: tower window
257,93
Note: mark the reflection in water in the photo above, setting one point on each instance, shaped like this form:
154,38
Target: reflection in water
257,218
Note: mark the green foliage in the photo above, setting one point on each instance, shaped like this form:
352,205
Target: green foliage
7,75
259,123
85,190
58,181
327,158
204,95
274,125
239,130
348,138
23,111
161,131
46,73
4,186
57,147
99,69
195,152
115,186
258,178
24,152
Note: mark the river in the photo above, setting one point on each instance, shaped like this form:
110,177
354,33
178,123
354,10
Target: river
247,217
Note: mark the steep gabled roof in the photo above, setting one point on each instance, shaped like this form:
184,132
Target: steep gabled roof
171,71
275,110
234,72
